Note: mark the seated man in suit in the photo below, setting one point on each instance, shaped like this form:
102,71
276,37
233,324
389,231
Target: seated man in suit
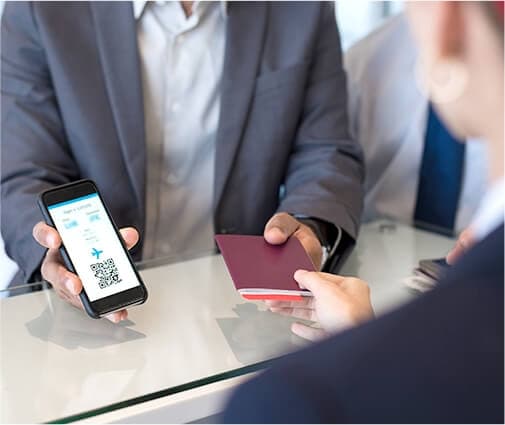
440,358
401,135
191,117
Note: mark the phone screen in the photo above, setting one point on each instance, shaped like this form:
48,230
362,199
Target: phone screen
93,246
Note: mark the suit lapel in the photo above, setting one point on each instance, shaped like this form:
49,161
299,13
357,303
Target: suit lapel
245,31
118,51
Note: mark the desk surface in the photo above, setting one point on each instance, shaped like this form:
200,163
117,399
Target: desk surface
57,363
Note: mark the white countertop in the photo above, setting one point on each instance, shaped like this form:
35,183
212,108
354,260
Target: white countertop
55,362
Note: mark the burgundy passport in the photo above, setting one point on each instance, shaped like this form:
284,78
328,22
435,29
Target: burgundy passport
261,271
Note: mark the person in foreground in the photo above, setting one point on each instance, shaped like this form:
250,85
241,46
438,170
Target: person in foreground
440,358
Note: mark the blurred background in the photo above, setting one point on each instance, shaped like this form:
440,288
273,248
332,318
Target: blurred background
359,17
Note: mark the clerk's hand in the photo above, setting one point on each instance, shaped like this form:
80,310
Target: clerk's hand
282,225
337,303
463,244
67,284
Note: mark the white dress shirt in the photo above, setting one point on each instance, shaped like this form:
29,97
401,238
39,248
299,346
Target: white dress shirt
388,116
181,63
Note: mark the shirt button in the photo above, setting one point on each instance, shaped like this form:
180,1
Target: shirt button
223,231
175,106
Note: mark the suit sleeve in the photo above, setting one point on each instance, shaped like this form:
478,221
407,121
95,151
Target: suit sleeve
325,173
279,397
35,155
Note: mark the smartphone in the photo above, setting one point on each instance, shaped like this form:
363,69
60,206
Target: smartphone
434,268
93,248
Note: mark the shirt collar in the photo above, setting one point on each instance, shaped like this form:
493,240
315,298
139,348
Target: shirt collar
490,214
140,5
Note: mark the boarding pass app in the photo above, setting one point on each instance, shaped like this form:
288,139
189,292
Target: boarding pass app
93,246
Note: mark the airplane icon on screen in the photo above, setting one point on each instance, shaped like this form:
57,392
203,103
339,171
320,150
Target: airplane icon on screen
96,253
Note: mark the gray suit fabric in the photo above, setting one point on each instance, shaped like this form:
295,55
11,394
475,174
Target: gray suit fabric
72,107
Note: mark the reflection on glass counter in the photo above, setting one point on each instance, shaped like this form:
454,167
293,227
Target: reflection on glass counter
194,330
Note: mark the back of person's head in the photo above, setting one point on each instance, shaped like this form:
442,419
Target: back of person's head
462,66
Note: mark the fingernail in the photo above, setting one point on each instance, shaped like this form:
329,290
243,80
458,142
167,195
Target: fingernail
300,273
279,229
53,240
48,239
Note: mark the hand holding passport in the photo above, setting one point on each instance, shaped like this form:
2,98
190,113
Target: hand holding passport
261,271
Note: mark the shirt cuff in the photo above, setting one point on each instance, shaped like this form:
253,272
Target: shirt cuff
336,243
329,235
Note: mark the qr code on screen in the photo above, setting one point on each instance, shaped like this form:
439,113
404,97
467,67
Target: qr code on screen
106,273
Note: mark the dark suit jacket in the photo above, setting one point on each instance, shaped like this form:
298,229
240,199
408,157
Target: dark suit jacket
439,359
72,107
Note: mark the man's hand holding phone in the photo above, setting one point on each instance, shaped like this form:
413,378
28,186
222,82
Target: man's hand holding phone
67,284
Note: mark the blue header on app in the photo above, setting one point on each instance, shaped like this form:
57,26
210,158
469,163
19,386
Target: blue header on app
72,201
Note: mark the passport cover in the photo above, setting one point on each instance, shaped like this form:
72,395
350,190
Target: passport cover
261,271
